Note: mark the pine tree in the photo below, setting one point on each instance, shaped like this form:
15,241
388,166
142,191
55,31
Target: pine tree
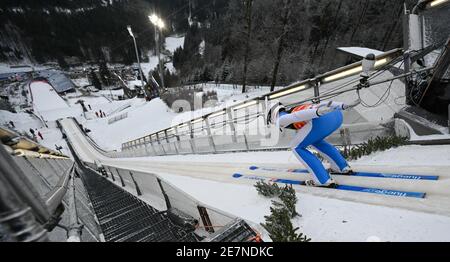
268,190
289,199
94,80
278,223
280,227
105,75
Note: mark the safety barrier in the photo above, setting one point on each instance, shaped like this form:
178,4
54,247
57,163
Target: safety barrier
117,118
46,176
162,195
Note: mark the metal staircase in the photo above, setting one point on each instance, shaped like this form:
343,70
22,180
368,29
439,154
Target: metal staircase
125,218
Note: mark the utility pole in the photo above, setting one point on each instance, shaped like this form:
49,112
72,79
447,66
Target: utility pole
158,53
158,25
137,57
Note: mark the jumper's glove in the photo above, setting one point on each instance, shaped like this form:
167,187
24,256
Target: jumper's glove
351,105
324,109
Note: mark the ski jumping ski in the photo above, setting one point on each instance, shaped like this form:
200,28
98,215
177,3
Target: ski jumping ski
360,174
378,191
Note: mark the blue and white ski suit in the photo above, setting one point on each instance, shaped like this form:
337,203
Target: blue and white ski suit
313,133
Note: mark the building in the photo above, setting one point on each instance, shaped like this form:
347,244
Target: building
58,80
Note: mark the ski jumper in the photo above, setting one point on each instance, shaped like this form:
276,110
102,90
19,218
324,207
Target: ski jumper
312,129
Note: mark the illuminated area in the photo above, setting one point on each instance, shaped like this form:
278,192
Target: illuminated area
287,92
437,2
352,71
247,104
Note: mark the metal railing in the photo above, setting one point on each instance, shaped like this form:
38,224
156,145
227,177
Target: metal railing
117,118
23,212
56,195
229,129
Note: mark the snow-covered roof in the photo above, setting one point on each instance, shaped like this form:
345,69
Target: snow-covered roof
59,81
6,69
359,51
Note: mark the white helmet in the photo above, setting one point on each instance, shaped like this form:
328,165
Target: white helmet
272,113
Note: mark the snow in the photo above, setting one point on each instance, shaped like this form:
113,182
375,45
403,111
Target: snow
80,82
156,113
360,51
404,156
201,47
412,155
7,69
24,121
42,94
150,65
88,100
143,118
48,104
322,219
228,92
173,42
326,215
133,83
118,92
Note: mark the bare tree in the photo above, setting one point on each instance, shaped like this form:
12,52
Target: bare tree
248,18
280,40
330,32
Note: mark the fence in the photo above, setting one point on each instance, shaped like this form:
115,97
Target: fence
42,184
162,195
117,118
228,135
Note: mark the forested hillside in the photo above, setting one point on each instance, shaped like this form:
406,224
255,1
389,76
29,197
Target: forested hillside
288,39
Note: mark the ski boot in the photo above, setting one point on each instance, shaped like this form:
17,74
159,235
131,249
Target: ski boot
347,171
330,184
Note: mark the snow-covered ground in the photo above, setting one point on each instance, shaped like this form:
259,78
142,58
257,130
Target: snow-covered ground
48,104
322,219
80,82
147,117
172,43
143,118
150,65
25,66
24,121
326,215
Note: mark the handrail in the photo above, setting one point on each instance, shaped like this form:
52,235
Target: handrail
330,76
23,202
55,196
21,185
